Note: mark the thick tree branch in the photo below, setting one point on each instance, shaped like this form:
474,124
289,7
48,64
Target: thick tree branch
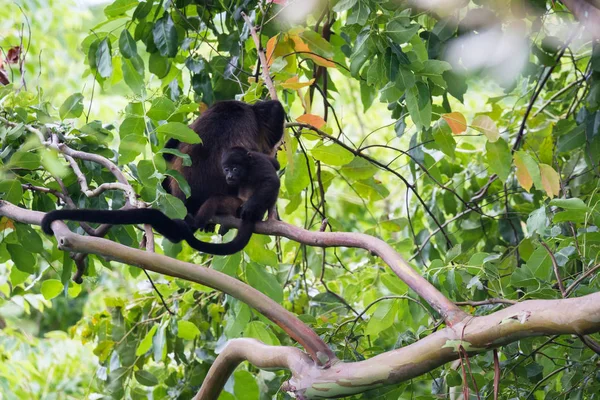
448,310
587,13
477,335
70,241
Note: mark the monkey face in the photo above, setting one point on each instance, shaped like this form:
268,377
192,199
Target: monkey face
235,174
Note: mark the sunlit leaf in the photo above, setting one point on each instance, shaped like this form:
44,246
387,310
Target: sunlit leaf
51,288
528,171
456,121
487,126
550,180
187,330
72,106
311,119
332,154
293,83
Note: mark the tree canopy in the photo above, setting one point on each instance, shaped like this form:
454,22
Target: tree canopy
438,232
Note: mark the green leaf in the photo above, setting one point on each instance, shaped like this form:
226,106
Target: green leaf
179,131
296,175
317,44
11,191
51,288
571,140
23,259
72,107
540,264
344,5
401,34
183,184
434,67
161,109
132,125
104,58
245,386
442,134
187,161
537,222
133,78
371,189
332,154
172,206
418,102
499,158
127,44
258,330
264,282
258,251
570,204
165,36
187,330
145,378
360,53
119,7
159,65
228,264
406,79
359,14
359,169
146,342
382,318
24,160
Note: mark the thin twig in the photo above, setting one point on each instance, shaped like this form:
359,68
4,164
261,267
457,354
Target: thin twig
262,58
561,285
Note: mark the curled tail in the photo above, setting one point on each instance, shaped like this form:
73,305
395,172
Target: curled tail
175,230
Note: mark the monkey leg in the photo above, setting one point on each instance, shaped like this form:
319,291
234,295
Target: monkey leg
216,205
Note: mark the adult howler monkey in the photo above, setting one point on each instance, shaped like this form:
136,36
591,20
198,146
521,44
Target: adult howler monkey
257,128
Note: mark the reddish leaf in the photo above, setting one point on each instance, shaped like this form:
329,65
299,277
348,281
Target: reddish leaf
304,50
3,77
312,119
456,121
13,55
271,49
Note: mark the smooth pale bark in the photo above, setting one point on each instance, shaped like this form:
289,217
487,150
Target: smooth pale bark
476,335
68,240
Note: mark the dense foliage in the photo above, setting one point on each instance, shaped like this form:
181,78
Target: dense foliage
466,137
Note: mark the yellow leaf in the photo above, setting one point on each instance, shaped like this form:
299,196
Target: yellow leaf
271,49
304,50
293,83
523,175
311,119
487,126
456,121
550,180
6,223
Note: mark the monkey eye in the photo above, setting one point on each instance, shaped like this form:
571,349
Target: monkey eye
235,169
226,169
